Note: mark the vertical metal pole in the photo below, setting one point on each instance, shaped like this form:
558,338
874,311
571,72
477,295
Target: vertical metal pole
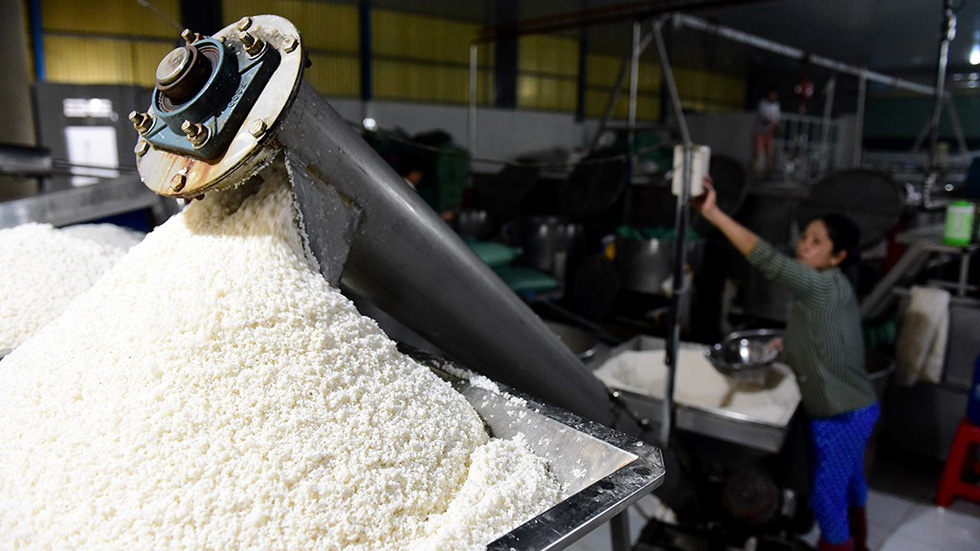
680,243
948,33
37,36
859,122
582,78
619,528
677,293
954,118
675,98
471,115
367,86
634,83
828,110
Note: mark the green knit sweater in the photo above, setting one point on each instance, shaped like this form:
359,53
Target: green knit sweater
823,342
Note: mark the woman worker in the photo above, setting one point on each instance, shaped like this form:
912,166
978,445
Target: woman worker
823,345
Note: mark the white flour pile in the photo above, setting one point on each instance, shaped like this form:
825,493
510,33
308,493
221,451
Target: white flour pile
699,384
42,269
212,391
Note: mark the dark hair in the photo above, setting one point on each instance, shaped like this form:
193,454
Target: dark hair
406,163
845,236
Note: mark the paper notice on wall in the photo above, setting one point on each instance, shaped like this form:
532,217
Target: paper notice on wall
92,153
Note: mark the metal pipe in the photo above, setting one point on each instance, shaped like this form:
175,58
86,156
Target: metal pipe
405,260
37,36
582,78
598,16
634,84
675,98
364,17
614,93
471,113
677,293
954,118
619,528
680,241
610,103
859,119
828,109
796,53
948,34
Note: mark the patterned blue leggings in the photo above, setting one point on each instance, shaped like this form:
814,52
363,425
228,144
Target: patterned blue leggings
837,468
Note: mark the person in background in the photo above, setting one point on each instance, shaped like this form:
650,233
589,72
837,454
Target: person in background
410,168
824,346
767,122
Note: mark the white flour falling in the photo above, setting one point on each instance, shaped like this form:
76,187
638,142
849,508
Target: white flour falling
699,384
42,269
212,391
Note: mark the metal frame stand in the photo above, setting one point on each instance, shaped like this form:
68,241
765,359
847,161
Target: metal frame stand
680,238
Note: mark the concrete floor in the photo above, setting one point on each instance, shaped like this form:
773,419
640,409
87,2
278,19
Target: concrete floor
901,515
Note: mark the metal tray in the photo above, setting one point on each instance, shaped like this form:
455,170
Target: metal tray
604,470
717,423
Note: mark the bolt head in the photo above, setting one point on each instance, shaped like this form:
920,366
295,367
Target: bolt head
257,128
142,147
244,23
178,183
188,35
290,44
189,128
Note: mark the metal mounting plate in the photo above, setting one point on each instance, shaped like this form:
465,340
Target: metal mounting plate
250,149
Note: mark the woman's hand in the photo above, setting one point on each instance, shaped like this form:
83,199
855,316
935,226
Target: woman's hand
707,202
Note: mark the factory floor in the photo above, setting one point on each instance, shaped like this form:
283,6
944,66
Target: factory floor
901,514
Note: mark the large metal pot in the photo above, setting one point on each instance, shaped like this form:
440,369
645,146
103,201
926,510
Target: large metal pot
645,264
548,243
474,223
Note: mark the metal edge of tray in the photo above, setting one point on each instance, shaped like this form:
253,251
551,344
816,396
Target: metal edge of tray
80,204
604,470
722,424
716,423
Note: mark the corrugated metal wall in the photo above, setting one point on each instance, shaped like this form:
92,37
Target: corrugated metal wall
413,58
105,41
547,72
422,58
602,71
331,34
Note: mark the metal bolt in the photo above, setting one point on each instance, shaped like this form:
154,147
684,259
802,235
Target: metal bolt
141,121
197,133
253,44
257,128
290,44
244,23
178,183
189,36
142,147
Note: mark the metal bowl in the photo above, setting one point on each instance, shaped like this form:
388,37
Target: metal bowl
745,353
